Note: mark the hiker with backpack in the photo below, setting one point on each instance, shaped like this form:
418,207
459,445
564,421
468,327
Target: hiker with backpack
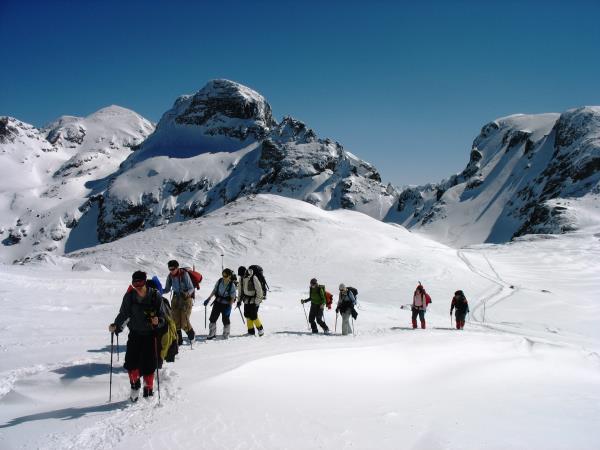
317,301
459,301
345,306
421,300
225,294
251,294
181,284
142,310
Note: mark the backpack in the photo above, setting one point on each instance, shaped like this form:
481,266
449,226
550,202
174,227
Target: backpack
328,299
196,277
168,340
427,299
258,271
354,291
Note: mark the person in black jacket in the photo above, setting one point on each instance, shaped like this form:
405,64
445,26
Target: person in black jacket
142,310
459,301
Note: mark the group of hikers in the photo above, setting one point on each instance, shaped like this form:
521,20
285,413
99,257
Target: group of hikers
156,326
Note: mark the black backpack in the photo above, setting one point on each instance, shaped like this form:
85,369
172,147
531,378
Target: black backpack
258,271
354,291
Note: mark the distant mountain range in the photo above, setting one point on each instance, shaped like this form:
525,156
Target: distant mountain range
82,181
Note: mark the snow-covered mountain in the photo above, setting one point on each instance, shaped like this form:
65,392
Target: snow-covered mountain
47,175
79,181
222,144
526,174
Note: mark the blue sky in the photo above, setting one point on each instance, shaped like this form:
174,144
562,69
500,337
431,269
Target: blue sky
406,87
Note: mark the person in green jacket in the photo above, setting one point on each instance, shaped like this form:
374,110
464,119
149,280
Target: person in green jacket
317,306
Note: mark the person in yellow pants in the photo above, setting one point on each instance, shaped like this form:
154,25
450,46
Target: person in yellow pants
251,294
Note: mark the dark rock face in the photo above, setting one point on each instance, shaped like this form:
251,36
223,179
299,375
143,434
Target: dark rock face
7,131
223,99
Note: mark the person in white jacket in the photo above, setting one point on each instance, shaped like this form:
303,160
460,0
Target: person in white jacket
251,294
419,305
345,306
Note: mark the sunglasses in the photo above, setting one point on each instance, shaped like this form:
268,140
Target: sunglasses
171,269
225,275
138,283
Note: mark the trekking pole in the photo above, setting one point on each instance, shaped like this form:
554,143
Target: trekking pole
112,335
451,324
335,327
221,262
241,315
118,351
353,326
304,308
157,372
205,317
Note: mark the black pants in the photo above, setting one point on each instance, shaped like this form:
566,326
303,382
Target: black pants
316,313
418,312
217,310
141,353
251,311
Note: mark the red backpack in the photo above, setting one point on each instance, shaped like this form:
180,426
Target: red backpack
196,278
328,299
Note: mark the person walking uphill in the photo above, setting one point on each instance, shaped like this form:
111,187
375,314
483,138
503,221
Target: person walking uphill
181,284
224,293
419,305
317,306
142,309
345,307
459,301
251,294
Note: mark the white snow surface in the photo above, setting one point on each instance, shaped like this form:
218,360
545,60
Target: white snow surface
523,374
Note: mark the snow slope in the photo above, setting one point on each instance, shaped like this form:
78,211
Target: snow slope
527,378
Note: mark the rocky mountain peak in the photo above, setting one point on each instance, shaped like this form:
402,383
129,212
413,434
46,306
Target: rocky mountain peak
227,99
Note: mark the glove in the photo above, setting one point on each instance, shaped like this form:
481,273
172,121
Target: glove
302,301
239,304
206,302
337,310
112,328
322,306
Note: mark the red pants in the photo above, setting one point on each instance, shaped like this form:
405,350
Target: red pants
134,376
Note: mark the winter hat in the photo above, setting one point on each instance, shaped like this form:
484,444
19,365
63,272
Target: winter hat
138,275
173,263
313,281
342,287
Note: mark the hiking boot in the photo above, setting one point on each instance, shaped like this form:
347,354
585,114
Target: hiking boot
148,392
212,331
261,331
179,338
326,331
423,325
251,332
226,329
135,391
191,334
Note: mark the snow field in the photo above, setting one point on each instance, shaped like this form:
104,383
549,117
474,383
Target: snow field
522,380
